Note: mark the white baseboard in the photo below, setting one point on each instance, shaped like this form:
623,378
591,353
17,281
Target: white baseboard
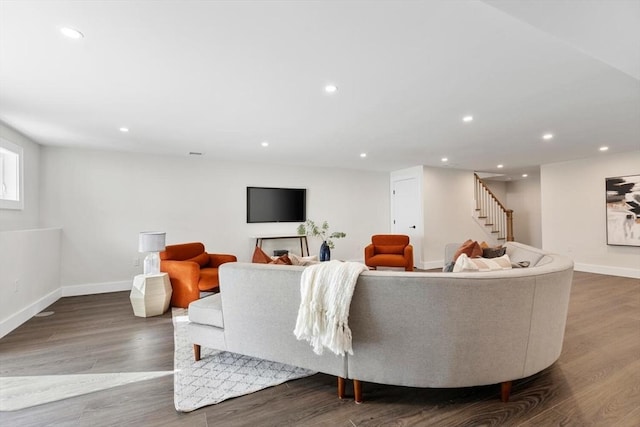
428,265
96,288
17,319
633,273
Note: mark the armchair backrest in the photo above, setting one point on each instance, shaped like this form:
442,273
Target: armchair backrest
182,251
389,243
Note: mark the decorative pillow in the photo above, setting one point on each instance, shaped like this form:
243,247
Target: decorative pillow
260,257
202,260
464,263
493,252
471,248
284,260
303,260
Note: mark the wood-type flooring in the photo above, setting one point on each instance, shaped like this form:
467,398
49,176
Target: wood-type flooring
596,381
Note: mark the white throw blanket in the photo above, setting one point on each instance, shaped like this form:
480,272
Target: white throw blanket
326,290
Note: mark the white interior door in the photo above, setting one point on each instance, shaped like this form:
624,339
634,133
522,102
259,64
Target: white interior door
407,213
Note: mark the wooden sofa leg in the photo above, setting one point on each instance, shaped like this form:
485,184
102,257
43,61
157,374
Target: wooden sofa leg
340,388
357,391
196,351
505,391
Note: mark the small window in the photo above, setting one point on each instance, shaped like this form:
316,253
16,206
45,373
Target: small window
11,187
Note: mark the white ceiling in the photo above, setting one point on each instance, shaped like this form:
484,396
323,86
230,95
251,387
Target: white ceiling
220,77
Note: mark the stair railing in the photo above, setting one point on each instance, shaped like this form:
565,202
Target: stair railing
495,215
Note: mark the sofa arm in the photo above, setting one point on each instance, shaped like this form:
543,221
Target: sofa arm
408,256
218,259
184,276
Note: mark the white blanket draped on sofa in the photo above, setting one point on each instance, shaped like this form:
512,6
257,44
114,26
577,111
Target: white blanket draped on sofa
326,290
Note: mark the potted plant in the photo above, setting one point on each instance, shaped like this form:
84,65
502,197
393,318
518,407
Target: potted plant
309,228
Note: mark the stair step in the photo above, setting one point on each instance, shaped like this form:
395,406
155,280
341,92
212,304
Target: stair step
482,217
495,231
489,225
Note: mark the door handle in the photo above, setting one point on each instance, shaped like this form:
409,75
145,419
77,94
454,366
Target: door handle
413,226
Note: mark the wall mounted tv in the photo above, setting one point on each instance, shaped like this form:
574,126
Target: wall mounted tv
276,204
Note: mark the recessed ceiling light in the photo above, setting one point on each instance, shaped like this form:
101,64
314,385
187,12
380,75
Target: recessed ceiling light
500,166
547,136
467,119
524,175
331,88
604,148
363,155
444,159
123,129
265,143
71,33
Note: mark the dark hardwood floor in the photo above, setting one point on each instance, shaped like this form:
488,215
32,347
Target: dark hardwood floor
596,381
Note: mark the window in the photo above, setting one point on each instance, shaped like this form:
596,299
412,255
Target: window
11,187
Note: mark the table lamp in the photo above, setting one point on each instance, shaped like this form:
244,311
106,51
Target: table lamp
151,242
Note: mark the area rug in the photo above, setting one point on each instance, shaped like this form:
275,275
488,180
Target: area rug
219,375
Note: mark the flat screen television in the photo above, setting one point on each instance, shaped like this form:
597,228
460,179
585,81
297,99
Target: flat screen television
266,204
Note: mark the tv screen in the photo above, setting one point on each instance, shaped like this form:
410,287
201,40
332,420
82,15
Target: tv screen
276,204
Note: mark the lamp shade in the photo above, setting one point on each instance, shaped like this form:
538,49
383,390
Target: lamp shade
151,241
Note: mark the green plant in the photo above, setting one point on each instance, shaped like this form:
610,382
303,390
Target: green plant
309,228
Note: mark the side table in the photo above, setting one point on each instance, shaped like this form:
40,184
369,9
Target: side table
150,294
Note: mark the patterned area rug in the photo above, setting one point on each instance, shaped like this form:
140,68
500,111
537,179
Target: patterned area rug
219,375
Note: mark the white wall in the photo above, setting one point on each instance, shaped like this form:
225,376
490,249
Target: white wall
523,196
498,188
28,217
29,257
29,278
102,200
574,216
448,212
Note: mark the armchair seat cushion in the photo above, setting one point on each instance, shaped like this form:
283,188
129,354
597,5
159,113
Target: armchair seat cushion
207,311
208,279
387,260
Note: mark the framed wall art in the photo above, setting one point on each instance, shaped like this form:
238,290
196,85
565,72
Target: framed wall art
623,210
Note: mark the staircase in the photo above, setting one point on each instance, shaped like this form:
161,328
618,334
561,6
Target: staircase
496,220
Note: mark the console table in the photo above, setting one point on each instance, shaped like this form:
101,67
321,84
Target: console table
303,239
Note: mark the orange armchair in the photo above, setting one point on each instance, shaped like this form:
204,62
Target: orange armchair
389,250
191,270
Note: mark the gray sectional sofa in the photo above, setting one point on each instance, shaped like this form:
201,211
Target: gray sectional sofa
420,329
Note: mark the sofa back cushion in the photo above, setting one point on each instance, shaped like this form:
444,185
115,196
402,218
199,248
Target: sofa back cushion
390,240
182,252
393,249
518,253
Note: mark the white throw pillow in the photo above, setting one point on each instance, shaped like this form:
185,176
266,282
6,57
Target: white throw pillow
464,263
303,260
